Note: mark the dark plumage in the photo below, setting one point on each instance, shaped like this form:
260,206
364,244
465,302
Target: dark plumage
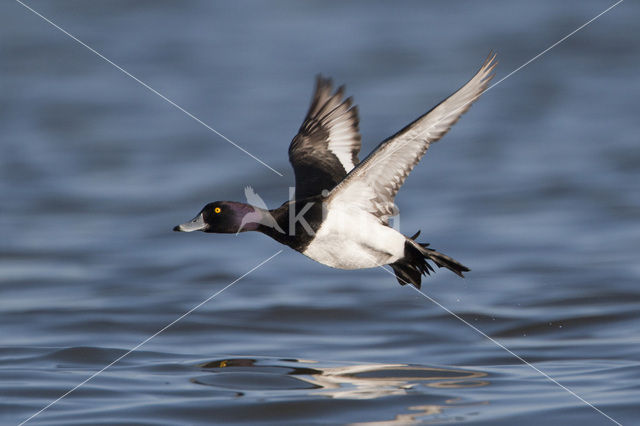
327,144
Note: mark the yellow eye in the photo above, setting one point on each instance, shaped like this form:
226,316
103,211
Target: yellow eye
217,210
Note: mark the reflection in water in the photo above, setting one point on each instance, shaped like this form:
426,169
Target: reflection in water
367,381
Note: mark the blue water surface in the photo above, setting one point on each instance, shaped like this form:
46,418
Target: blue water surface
536,189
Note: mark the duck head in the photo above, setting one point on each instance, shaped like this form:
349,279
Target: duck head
223,217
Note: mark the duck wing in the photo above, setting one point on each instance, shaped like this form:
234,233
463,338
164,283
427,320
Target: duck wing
327,145
374,183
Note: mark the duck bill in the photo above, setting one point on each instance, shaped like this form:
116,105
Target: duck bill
197,224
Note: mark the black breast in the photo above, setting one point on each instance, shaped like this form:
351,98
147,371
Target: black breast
300,220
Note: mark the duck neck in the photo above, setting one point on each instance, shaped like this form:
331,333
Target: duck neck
250,218
274,224
294,223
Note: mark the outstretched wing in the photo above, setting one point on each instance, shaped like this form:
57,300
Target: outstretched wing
327,144
374,183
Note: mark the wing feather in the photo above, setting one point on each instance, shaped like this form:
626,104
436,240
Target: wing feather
327,145
374,183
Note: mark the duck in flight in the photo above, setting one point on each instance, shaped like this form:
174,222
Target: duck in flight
341,209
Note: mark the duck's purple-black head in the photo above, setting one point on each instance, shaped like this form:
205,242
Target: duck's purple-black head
222,217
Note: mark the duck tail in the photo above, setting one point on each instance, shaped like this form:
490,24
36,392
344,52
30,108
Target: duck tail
414,264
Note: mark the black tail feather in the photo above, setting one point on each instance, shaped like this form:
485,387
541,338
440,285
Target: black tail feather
405,274
444,261
414,264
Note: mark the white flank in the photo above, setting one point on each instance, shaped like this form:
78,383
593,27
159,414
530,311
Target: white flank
352,239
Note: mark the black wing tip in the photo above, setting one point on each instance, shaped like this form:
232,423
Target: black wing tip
491,59
489,66
321,80
348,103
323,90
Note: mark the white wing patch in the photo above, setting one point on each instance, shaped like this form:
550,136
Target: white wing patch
344,139
328,142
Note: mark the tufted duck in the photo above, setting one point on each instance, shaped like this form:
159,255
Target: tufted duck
340,213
